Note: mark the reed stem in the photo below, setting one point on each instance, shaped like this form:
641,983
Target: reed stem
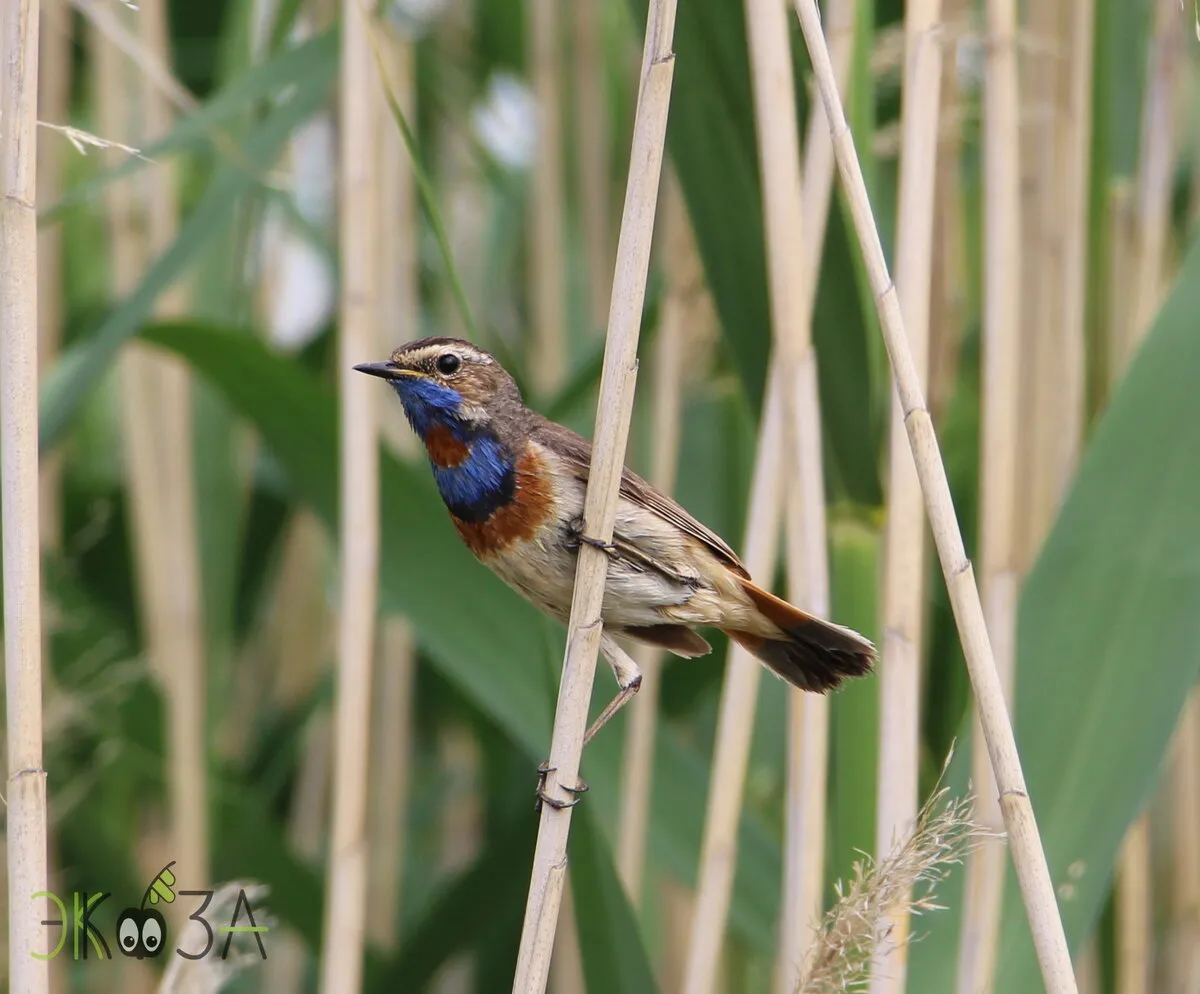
181,632
678,256
808,566
26,791
1183,950
1155,165
1134,911
461,818
998,471
346,901
735,722
791,292
1078,38
1033,874
399,310
592,139
546,271
614,411
904,535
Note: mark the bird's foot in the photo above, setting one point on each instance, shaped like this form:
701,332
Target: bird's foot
575,531
544,771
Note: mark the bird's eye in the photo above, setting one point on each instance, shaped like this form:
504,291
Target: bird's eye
448,363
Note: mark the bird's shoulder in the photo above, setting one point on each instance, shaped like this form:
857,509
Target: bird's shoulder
573,455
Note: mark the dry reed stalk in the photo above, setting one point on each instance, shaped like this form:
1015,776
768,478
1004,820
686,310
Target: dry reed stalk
1155,164
287,969
791,293
462,819
613,413
808,740
904,537
54,94
26,792
391,752
1077,29
182,630
127,257
1088,969
1055,139
792,298
808,567
1134,911
463,190
1134,902
157,436
299,637
592,140
1122,252
1037,889
307,823
735,722
818,169
399,291
299,624
546,271
678,908
1042,352
680,262
999,449
1183,950
345,907
948,287
53,99
566,963
398,320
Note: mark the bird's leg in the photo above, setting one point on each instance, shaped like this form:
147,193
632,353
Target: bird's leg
629,679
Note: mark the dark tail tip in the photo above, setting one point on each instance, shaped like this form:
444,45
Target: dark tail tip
816,656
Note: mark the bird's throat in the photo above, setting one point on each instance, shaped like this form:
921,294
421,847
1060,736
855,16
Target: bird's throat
474,471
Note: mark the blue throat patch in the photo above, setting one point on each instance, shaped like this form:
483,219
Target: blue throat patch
428,404
486,479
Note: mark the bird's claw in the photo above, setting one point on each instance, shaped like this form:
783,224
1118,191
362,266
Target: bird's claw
575,530
544,771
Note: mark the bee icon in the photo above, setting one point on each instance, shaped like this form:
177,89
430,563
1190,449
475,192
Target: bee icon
141,932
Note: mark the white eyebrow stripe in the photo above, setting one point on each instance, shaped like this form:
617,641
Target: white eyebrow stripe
430,351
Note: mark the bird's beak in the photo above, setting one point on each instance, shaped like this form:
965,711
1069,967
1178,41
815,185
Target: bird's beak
386,370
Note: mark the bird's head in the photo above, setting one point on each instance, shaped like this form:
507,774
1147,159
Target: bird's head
448,382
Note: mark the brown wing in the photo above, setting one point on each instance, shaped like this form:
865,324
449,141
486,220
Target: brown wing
577,451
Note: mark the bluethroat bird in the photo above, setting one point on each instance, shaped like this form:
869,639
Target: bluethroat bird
514,483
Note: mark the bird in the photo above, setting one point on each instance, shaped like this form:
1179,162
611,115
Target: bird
513,483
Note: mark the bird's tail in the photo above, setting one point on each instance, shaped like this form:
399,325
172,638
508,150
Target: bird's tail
812,654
